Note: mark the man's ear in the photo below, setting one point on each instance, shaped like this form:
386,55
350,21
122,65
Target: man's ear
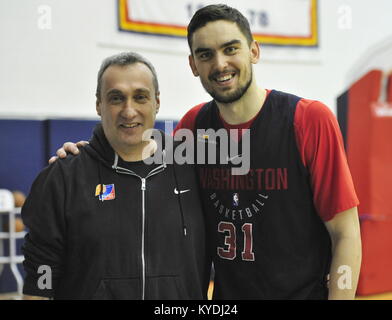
255,52
193,66
98,107
158,100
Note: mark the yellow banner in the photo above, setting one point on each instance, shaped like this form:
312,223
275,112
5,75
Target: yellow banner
273,22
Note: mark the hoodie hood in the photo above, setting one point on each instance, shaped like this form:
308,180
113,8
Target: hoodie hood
99,147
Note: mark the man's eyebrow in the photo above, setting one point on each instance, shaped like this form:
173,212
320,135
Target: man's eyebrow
113,91
200,50
226,44
142,90
137,91
230,43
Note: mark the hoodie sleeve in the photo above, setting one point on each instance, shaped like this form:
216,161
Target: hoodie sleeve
44,246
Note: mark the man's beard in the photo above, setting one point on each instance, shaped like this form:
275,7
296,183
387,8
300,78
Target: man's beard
230,98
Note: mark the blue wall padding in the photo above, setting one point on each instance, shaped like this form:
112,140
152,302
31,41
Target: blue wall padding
22,145
161,126
60,131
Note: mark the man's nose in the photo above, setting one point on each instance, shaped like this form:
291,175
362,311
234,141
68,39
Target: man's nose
220,62
129,109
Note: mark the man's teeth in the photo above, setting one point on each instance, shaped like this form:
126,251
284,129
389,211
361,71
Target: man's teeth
224,78
130,125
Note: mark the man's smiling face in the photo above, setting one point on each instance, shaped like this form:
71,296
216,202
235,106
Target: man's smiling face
128,105
222,58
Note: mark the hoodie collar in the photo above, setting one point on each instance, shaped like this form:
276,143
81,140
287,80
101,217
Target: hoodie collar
100,148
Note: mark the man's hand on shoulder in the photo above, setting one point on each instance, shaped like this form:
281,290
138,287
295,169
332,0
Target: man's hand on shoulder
68,148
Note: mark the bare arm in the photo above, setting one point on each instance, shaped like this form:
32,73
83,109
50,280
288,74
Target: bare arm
68,147
346,254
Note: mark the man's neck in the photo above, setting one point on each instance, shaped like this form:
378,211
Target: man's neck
245,108
139,153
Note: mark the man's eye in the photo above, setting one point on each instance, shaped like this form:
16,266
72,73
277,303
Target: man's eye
116,99
140,97
230,50
205,55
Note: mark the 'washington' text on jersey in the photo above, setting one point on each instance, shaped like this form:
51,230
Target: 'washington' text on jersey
256,179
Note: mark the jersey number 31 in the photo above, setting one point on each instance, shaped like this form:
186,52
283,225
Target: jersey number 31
229,252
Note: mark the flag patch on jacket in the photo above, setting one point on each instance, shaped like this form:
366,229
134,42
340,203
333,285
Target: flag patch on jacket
107,193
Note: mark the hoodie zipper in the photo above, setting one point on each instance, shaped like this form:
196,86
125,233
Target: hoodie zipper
143,189
143,233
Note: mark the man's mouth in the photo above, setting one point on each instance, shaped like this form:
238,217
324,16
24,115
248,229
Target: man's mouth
224,78
130,125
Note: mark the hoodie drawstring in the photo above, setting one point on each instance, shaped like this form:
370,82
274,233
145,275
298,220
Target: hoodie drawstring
179,199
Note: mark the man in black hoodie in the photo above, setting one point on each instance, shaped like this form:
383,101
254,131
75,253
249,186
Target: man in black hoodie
106,225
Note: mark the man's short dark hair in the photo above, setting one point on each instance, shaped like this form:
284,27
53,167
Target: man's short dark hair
216,12
125,59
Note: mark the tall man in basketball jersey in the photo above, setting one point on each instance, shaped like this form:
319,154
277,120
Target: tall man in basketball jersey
292,220
290,223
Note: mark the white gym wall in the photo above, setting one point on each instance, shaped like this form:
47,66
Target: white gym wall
52,72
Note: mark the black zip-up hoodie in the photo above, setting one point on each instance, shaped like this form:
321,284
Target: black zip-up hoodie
136,238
